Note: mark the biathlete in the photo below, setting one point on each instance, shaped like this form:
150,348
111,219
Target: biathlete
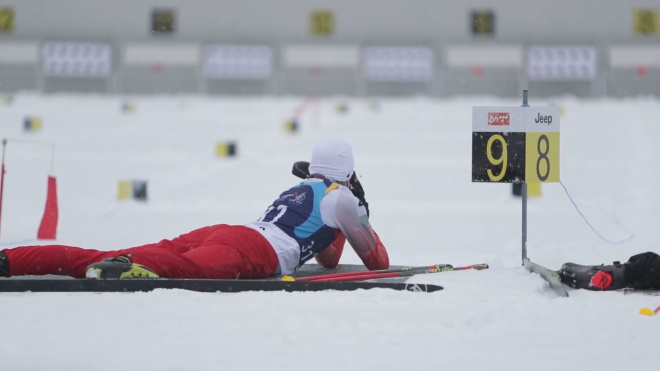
313,219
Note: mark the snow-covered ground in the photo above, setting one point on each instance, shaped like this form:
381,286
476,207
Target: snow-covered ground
414,158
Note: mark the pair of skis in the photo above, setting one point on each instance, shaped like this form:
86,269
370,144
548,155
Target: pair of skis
347,281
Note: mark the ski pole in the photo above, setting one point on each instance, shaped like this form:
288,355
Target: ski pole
401,274
387,273
381,271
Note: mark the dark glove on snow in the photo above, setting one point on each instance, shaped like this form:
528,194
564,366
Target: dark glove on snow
356,187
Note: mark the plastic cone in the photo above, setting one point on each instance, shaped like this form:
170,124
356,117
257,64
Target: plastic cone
48,227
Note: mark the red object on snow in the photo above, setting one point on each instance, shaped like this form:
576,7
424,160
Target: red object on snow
641,70
602,280
156,68
48,227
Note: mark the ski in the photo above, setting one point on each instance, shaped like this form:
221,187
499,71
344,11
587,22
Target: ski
629,291
200,285
552,277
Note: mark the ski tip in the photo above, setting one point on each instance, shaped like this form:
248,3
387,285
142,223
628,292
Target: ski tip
480,266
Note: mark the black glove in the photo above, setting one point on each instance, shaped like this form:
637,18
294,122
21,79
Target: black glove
301,170
356,187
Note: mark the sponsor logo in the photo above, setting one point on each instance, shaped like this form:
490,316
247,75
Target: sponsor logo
543,119
499,118
297,198
285,196
415,287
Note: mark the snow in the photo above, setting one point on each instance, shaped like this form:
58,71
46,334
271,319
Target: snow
414,158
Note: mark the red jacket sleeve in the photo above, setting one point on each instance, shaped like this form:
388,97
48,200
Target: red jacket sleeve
352,219
377,258
373,260
329,258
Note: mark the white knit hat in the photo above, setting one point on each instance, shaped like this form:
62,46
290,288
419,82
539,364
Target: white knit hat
332,158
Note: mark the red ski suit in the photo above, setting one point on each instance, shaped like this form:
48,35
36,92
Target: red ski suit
218,251
215,252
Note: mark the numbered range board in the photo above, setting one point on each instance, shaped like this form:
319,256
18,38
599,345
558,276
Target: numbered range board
515,144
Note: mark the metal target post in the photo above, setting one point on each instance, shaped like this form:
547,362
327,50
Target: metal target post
523,194
519,145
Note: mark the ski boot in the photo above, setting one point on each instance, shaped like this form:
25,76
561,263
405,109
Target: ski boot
119,267
593,277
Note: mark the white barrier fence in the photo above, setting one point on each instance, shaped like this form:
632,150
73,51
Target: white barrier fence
237,62
573,63
75,59
419,64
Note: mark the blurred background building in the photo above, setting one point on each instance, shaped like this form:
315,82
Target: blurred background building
586,48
